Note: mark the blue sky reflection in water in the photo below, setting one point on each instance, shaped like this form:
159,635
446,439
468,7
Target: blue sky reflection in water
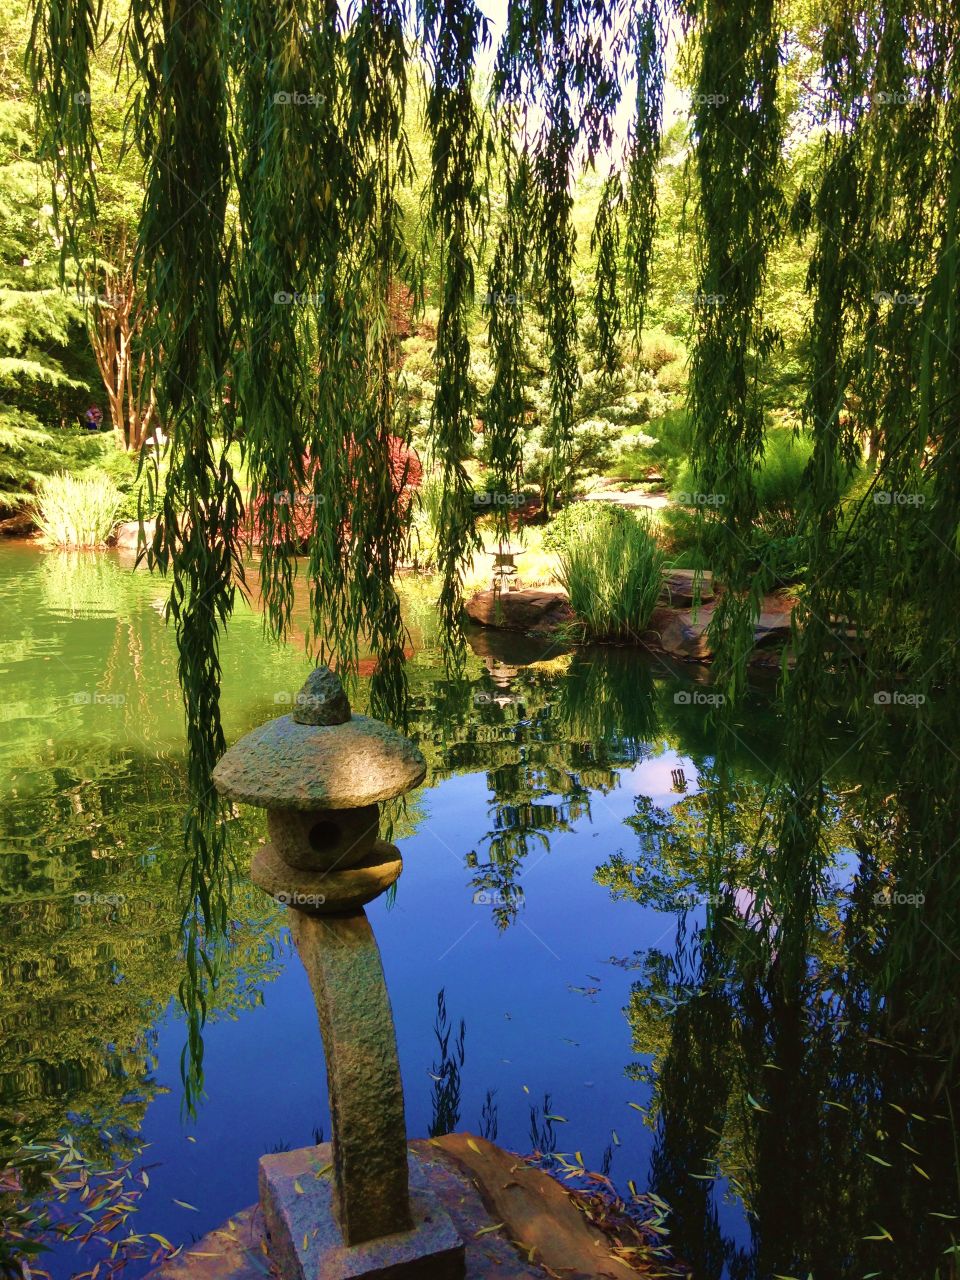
554,884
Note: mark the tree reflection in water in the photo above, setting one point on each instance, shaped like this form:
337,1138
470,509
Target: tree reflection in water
813,1101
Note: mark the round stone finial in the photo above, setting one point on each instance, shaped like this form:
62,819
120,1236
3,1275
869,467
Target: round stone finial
321,700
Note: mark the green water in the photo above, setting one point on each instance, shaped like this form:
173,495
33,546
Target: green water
561,868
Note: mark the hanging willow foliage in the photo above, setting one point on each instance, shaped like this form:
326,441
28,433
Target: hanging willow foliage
453,33
274,151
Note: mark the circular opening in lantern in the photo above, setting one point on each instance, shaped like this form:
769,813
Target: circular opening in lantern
323,835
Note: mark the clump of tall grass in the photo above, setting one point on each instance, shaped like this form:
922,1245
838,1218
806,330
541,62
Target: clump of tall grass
612,568
425,522
77,511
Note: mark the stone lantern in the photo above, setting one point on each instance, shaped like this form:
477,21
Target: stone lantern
321,773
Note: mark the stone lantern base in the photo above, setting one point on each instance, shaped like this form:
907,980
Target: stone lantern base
296,1197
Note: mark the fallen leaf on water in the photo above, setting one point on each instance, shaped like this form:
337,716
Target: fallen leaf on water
885,1235
473,1146
183,1205
485,1231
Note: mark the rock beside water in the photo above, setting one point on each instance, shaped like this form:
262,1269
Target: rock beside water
534,609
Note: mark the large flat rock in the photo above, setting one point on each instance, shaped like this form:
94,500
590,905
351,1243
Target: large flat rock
538,609
535,1211
683,588
682,633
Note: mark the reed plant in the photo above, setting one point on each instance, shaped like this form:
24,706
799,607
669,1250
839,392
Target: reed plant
77,511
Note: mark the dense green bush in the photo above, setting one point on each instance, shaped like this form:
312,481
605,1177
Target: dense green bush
658,349
781,485
612,568
780,482
664,444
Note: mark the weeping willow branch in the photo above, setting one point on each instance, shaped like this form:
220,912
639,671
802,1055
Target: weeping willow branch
453,33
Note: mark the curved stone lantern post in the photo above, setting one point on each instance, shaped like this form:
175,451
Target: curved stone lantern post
321,773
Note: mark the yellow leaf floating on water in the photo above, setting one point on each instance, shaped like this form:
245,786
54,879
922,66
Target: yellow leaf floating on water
885,1235
306,1242
183,1205
297,1187
485,1231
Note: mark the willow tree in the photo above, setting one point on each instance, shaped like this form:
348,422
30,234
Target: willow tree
274,149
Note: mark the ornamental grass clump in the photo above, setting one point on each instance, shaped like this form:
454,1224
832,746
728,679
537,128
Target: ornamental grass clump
612,569
77,511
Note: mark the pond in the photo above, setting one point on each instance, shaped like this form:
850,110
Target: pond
558,878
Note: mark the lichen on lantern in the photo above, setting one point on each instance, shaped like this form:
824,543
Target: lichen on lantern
320,773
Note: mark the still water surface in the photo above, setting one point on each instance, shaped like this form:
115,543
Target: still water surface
556,874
